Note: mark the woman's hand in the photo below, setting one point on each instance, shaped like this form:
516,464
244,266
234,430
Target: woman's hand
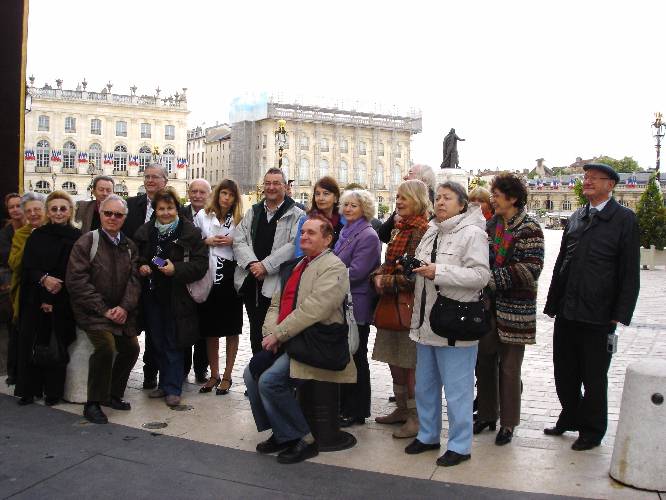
53,285
378,284
219,241
427,271
47,308
168,269
145,270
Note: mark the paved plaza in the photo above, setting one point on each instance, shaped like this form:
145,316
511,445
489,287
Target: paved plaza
532,463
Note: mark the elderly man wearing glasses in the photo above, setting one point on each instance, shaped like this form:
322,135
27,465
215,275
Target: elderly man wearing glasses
103,283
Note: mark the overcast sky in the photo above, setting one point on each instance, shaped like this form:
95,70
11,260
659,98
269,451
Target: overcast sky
518,80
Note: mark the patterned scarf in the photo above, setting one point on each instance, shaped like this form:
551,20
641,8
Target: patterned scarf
403,241
501,243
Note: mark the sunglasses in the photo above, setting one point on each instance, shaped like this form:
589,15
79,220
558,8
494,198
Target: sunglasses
63,209
110,213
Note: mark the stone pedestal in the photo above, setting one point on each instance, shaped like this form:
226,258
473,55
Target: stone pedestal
76,381
453,174
639,454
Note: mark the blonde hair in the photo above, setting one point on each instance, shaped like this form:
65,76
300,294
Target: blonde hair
59,195
417,192
364,198
480,195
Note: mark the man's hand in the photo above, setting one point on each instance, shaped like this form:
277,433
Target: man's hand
117,315
168,269
144,271
270,343
52,284
258,270
47,308
427,271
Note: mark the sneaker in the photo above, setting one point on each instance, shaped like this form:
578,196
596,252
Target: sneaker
94,414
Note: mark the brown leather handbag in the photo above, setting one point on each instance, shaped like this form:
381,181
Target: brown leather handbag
394,310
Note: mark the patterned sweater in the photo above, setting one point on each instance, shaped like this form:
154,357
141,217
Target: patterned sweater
514,283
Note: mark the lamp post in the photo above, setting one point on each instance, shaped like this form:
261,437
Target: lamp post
53,177
91,172
659,127
280,140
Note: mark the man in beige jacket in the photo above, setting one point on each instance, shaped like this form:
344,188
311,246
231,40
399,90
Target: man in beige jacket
313,289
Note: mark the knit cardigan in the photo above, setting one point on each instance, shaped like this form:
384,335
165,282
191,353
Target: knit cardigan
514,285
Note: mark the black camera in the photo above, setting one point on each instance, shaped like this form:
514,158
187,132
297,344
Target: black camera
408,264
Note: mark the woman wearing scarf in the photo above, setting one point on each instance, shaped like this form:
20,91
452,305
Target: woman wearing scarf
360,249
395,347
171,255
516,261
325,201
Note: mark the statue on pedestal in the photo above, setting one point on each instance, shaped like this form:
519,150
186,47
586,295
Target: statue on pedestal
450,150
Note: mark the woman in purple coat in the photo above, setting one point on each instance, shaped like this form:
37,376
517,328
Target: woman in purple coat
360,249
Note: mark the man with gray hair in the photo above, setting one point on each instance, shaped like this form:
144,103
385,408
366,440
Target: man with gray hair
197,192
87,212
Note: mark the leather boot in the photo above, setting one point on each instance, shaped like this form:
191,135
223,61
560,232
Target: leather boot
411,427
400,414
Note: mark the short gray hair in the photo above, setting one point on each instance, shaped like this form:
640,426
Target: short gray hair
426,175
365,199
31,196
161,168
200,179
113,197
275,170
458,189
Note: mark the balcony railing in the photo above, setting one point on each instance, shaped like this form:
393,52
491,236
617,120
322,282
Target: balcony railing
119,171
43,170
69,170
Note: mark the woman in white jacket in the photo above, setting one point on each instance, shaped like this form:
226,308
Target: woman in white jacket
460,272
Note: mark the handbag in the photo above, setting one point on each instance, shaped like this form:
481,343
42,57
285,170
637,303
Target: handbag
321,346
352,338
51,355
394,311
452,319
199,290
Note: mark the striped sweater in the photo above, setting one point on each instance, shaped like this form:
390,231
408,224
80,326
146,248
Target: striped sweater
514,284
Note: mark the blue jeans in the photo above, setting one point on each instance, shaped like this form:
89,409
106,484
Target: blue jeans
162,330
453,368
273,403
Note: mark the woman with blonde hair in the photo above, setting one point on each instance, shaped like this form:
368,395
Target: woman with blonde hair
217,223
394,346
45,309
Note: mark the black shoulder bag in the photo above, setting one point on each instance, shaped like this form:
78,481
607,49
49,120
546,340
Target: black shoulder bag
454,320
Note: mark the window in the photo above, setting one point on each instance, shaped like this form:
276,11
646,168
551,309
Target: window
264,141
95,155
43,186
323,145
344,146
144,158
536,204
398,152
304,171
70,124
397,175
323,167
379,175
43,154
43,123
303,198
69,155
566,204
145,131
96,126
169,132
69,187
198,157
342,176
380,149
361,148
623,202
120,158
121,129
360,173
549,205
168,157
305,143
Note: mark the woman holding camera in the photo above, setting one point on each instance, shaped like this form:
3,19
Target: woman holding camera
394,346
171,255
455,256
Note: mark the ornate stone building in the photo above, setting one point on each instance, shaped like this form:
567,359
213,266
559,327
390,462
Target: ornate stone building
73,135
208,152
371,149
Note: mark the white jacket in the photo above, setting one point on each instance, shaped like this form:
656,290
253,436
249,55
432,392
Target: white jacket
462,269
210,226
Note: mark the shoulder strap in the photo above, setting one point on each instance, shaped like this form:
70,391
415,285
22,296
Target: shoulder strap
95,244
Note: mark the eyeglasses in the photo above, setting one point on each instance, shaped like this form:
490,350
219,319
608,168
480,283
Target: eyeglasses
62,209
110,213
149,177
274,184
595,179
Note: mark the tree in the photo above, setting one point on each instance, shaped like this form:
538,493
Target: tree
651,216
578,191
626,165
382,210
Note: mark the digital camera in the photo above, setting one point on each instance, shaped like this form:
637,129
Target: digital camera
408,264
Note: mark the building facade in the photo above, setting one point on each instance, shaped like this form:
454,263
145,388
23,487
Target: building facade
370,149
73,135
208,152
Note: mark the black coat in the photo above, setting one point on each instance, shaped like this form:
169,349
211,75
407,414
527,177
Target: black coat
183,308
602,279
136,214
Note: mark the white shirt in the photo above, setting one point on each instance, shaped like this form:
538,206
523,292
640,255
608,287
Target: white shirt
149,209
601,205
210,226
270,213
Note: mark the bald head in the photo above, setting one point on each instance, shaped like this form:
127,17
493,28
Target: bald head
198,193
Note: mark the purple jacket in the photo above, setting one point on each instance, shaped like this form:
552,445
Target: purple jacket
360,249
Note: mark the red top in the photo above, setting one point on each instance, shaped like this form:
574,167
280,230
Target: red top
287,302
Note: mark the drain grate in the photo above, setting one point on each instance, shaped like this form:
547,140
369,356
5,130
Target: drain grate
154,425
182,407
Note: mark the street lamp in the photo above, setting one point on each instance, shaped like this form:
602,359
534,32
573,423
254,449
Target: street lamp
91,173
53,177
280,140
658,133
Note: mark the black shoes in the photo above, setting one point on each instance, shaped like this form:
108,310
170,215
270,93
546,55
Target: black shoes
201,378
349,421
554,431
583,443
48,401
298,452
504,436
480,425
117,404
149,382
416,447
94,414
451,458
26,401
272,446
10,380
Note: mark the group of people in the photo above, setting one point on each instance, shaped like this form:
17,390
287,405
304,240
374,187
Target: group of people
182,274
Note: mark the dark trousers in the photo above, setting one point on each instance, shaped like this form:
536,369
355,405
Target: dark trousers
355,398
581,359
198,356
107,377
256,306
150,366
12,350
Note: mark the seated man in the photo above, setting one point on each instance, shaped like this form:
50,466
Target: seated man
104,289
313,289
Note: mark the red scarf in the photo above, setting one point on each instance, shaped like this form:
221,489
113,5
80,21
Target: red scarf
407,234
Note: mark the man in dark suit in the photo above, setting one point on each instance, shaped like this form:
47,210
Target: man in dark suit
87,212
595,286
